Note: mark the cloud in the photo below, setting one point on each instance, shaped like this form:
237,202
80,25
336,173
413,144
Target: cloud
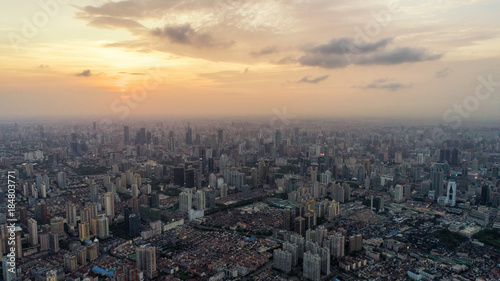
443,73
316,80
345,51
43,66
186,35
385,83
265,51
85,73
112,22
287,60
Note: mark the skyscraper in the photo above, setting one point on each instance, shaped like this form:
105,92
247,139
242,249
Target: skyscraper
126,135
71,214
437,178
33,232
103,225
451,193
185,201
94,193
109,205
146,260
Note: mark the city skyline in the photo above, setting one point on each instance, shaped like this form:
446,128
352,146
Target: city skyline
131,59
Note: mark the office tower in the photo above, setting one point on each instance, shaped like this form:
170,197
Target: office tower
94,193
246,191
81,255
398,193
300,225
146,260
70,263
9,273
185,201
210,199
282,260
54,242
44,242
103,225
126,135
127,211
223,190
451,193
190,178
485,194
33,232
189,136
287,219
220,137
83,231
61,179
71,214
437,178
338,193
155,200
133,225
109,205
337,245
179,176
312,266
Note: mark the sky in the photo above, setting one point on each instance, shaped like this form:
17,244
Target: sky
331,58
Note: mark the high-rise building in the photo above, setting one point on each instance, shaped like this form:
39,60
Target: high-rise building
126,135
44,242
179,176
200,200
81,255
245,191
312,266
83,231
337,245
93,251
398,193
54,242
282,260
437,178
70,263
109,205
133,225
9,273
300,225
287,219
103,225
451,193
223,190
185,201
71,214
355,243
94,193
292,249
146,260
324,253
33,232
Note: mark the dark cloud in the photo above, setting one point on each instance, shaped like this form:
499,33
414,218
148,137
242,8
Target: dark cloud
397,56
342,52
385,83
443,73
346,44
265,51
85,73
186,35
316,80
